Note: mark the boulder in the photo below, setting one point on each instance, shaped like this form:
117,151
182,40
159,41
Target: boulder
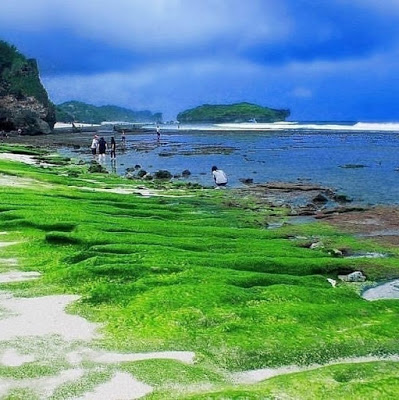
320,199
162,174
356,276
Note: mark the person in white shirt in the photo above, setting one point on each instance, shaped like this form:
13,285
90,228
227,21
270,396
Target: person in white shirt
94,145
219,177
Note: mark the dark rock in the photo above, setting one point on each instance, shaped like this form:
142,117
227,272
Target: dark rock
137,166
141,173
186,173
247,181
320,199
353,166
162,174
341,198
165,154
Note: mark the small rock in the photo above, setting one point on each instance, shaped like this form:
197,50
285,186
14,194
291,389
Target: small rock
186,172
247,181
316,246
336,253
333,282
356,276
342,198
353,166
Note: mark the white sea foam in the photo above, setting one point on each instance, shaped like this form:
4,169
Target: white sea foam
291,125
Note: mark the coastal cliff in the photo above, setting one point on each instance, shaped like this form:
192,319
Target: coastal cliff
240,112
24,103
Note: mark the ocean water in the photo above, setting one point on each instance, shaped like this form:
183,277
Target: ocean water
360,160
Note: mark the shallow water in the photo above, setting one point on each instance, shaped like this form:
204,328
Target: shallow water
359,164
388,290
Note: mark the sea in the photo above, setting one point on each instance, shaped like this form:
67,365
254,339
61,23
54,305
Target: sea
358,159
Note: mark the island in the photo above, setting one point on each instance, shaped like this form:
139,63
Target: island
239,112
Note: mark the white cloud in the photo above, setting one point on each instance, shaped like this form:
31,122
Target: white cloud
152,24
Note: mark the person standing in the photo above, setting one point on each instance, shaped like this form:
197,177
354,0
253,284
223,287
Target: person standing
102,147
113,148
158,133
123,139
94,145
219,177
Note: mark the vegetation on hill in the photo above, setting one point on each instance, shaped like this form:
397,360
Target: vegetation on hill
192,271
78,111
24,101
19,75
240,112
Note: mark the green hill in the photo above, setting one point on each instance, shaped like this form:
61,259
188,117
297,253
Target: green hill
88,113
24,103
240,112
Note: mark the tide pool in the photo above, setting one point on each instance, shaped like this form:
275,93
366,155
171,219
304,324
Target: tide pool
361,164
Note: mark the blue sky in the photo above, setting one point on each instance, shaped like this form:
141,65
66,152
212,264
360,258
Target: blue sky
322,59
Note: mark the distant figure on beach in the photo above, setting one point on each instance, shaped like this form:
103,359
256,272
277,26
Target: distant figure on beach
219,177
123,138
113,148
102,147
94,145
158,132
19,132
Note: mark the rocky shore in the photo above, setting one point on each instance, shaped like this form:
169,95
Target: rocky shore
301,198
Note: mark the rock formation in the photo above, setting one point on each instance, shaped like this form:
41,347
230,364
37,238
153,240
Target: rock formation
24,103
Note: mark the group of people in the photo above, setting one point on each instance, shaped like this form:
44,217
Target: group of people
100,146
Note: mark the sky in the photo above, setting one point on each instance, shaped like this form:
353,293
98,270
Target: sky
326,60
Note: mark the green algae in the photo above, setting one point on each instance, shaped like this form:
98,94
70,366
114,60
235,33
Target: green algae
191,272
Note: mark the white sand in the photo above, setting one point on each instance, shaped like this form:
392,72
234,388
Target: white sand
121,387
60,125
258,375
24,158
11,358
27,159
10,262
18,276
44,386
29,319
140,191
15,181
6,244
103,357
43,316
